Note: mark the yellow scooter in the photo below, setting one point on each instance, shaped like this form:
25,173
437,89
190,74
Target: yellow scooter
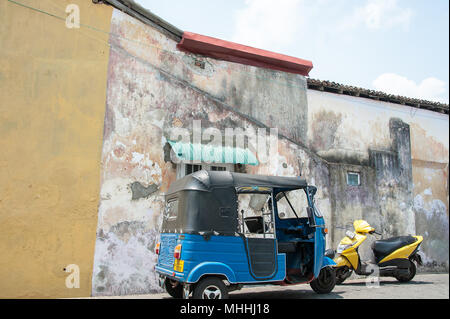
394,257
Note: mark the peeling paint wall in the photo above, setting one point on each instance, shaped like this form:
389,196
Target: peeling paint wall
402,155
153,87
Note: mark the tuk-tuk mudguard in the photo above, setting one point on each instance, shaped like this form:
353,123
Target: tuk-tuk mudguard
215,268
328,262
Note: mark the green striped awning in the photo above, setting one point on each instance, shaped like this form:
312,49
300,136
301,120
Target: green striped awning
212,154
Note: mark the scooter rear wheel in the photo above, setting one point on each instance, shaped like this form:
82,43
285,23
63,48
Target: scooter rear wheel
411,273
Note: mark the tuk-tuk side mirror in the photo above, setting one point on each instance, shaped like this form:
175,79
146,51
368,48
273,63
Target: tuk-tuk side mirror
311,219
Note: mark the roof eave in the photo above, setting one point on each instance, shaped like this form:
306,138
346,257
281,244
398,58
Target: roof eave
146,16
332,87
238,53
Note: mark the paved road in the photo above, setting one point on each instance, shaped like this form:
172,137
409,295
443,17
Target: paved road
429,286
423,286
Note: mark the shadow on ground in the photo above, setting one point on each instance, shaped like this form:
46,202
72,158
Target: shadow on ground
386,282
289,294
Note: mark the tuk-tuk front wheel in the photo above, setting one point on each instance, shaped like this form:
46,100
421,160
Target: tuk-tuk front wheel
326,281
174,288
210,288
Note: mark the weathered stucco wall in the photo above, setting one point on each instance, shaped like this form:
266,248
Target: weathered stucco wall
403,150
153,87
52,100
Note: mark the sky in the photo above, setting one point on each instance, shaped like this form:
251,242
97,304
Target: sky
395,46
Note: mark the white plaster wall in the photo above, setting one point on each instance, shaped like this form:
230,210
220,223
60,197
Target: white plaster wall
364,123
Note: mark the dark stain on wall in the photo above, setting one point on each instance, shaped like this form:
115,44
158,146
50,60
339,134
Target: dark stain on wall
401,144
384,196
352,202
269,97
324,128
139,191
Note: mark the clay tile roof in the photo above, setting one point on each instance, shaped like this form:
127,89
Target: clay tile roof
334,87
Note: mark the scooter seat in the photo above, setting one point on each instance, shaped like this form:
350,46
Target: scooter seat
384,247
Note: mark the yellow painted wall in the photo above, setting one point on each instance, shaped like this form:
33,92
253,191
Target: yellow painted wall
52,104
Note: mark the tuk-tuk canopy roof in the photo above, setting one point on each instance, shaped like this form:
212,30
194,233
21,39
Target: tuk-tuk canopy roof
208,180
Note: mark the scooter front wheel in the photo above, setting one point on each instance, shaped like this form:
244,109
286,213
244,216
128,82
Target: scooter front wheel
326,281
342,274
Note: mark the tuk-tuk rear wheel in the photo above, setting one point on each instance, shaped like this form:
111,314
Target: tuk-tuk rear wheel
326,281
210,288
174,288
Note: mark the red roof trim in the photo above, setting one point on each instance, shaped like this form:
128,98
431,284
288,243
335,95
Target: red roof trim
234,52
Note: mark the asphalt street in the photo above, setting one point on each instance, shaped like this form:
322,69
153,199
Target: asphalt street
423,286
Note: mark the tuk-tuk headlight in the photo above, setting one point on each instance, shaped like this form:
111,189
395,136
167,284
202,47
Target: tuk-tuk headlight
342,247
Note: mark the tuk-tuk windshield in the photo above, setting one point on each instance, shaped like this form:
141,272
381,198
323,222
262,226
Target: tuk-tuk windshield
292,204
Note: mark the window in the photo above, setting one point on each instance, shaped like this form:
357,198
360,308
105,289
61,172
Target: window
353,179
191,168
293,206
256,215
218,168
184,169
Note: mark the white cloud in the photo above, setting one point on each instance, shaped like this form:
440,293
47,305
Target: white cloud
268,24
380,14
276,25
429,89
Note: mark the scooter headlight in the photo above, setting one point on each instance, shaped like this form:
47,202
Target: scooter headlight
341,248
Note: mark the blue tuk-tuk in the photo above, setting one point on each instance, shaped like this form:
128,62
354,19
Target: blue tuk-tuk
223,230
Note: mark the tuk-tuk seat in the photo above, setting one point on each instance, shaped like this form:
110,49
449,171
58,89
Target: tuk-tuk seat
255,224
287,247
